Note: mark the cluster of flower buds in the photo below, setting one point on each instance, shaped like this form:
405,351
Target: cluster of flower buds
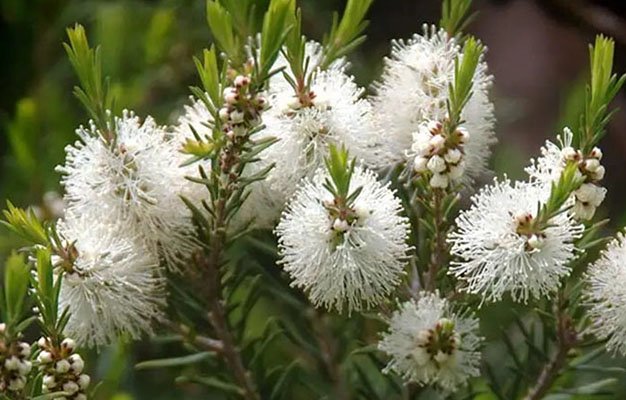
14,363
524,227
439,154
590,195
343,217
242,106
63,369
437,345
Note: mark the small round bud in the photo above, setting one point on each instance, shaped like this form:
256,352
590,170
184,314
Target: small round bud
224,114
340,225
596,153
523,218
592,164
12,363
68,344
70,387
17,383
598,174
231,96
3,327
241,81
24,349
25,367
49,381
439,181
83,381
422,337
437,142
436,164
237,116
535,242
44,357
583,211
463,134
434,127
453,156
77,363
294,104
441,357
80,396
420,164
456,171
62,366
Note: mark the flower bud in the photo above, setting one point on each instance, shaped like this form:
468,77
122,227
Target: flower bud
231,96
224,114
437,142
569,153
70,387
49,381
241,81
592,164
62,366
44,357
68,344
25,367
340,225
453,156
456,171
420,164
17,383
84,381
12,363
535,242
77,363
439,181
436,164
24,349
236,116
463,134
583,211
596,153
598,174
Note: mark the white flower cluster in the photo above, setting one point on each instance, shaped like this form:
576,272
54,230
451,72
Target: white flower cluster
606,297
548,168
498,250
439,154
15,365
136,180
350,258
413,92
62,369
332,112
430,344
111,286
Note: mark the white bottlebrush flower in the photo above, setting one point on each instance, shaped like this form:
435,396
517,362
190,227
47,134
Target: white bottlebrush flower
138,180
337,115
195,118
113,287
414,88
606,295
496,252
430,344
344,266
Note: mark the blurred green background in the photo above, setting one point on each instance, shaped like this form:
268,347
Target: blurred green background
537,52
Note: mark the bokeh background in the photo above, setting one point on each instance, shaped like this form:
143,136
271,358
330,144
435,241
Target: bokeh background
537,52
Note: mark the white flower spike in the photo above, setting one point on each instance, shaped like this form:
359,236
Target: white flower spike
344,264
412,94
114,286
495,254
430,344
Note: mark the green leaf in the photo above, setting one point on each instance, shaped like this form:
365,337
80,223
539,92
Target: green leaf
460,90
221,24
16,278
94,91
598,387
213,382
345,35
454,16
277,23
210,76
175,362
603,87
25,224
